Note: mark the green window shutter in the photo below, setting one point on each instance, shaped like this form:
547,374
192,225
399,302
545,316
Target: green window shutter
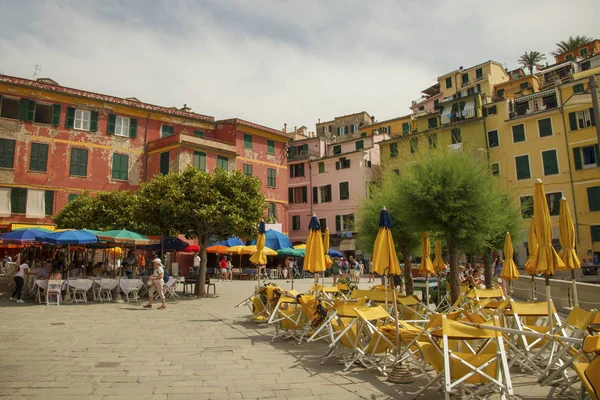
71,197
223,162
389,130
573,121
493,139
304,194
594,198
346,129
545,127
363,135
518,133
30,111
18,201
578,88
305,148
70,120
577,158
550,162
247,141
56,114
321,167
199,133
112,120
405,127
78,165
164,163
270,147
49,202
94,121
595,233
337,165
7,153
133,124
328,193
39,157
522,166
315,195
394,150
360,145
291,195
592,118
23,107
338,223
597,153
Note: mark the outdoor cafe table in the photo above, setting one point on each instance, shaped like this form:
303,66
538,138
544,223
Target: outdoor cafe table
43,284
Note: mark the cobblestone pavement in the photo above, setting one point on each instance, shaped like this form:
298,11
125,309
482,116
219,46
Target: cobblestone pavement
194,349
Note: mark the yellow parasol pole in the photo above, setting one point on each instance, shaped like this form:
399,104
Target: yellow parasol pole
532,248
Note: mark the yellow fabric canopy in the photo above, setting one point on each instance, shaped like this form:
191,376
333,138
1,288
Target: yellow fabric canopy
267,251
314,258
545,259
259,257
567,238
328,262
426,267
384,254
532,248
438,261
300,246
509,270
236,249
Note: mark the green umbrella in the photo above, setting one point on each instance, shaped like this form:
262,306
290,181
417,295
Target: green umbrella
290,252
123,236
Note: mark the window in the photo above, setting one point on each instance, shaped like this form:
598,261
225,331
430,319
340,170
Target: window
489,111
18,201
545,127
518,132
82,120
585,66
271,177
550,162
585,157
43,113
247,141
432,123
270,147
295,222
337,149
166,131
465,78
344,222
360,145
247,168
433,141
456,136
363,134
39,157
223,162
199,133
9,108
321,167
583,52
121,126
524,85
414,145
405,127
553,200
421,108
493,140
595,233
344,190
479,73
71,197
164,163
495,169
343,163
7,153
393,150
79,158
436,104
578,88
296,170
323,223
522,167
526,207
120,167
200,161
500,93
593,193
272,211
569,57
322,194
448,82
49,202
298,194
581,119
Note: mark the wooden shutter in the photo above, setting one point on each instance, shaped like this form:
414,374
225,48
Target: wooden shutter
133,128
594,198
389,130
23,107
592,118
338,223
346,129
55,114
112,120
304,194
315,195
94,121
70,120
597,153
328,192
49,202
337,165
301,169
305,148
577,157
291,195
550,162
573,121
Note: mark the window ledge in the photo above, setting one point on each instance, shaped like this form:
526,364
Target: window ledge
119,180
77,176
37,172
7,168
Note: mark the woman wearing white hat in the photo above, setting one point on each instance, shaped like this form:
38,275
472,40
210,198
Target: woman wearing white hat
157,282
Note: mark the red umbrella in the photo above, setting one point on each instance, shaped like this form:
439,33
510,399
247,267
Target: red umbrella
192,248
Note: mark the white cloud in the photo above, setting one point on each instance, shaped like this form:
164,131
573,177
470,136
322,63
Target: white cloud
276,61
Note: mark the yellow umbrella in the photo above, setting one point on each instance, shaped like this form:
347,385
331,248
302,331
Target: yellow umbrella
236,249
438,261
509,270
328,262
567,243
545,259
532,248
426,267
259,258
385,260
300,246
267,251
314,258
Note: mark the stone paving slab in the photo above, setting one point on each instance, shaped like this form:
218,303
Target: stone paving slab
194,349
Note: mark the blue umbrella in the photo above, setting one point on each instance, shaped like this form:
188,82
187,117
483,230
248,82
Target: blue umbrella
169,244
69,237
277,240
334,253
232,241
23,236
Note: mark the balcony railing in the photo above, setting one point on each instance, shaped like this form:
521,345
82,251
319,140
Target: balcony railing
472,81
302,155
533,103
451,117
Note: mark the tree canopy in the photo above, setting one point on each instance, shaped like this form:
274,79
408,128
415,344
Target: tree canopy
531,59
571,44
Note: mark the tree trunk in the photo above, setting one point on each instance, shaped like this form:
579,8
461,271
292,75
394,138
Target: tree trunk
408,280
488,271
453,277
201,278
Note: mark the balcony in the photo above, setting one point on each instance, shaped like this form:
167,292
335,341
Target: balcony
186,140
452,117
533,103
473,81
302,155
463,93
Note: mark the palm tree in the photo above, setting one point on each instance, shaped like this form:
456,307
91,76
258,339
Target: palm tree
530,59
572,43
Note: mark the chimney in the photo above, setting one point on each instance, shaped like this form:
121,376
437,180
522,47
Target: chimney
295,128
319,121
285,128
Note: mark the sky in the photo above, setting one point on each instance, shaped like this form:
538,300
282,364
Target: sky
279,61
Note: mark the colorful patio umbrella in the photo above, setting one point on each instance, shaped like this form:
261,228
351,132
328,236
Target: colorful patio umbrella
229,242
24,236
169,243
567,244
259,258
545,259
277,240
290,252
253,249
426,267
217,249
300,246
334,253
192,248
438,263
236,250
328,262
532,246
314,259
37,229
123,236
509,269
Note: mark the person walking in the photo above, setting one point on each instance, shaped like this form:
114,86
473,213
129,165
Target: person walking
369,268
229,271
157,283
344,265
22,271
223,269
196,263
335,270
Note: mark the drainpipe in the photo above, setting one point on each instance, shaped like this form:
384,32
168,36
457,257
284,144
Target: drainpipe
593,84
146,148
487,145
310,191
178,154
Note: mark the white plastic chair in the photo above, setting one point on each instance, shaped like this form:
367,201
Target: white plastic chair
169,288
54,289
81,288
104,292
131,287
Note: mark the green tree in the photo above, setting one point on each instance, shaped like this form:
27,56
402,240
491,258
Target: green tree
571,44
531,59
384,194
201,205
77,214
455,196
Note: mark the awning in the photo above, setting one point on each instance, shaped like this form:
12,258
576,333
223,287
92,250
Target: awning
21,226
535,95
579,100
348,245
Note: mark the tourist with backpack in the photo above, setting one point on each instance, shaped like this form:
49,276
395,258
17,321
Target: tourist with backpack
156,283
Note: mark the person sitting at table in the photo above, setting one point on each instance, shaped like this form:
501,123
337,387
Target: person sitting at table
55,272
128,270
98,270
45,272
475,280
